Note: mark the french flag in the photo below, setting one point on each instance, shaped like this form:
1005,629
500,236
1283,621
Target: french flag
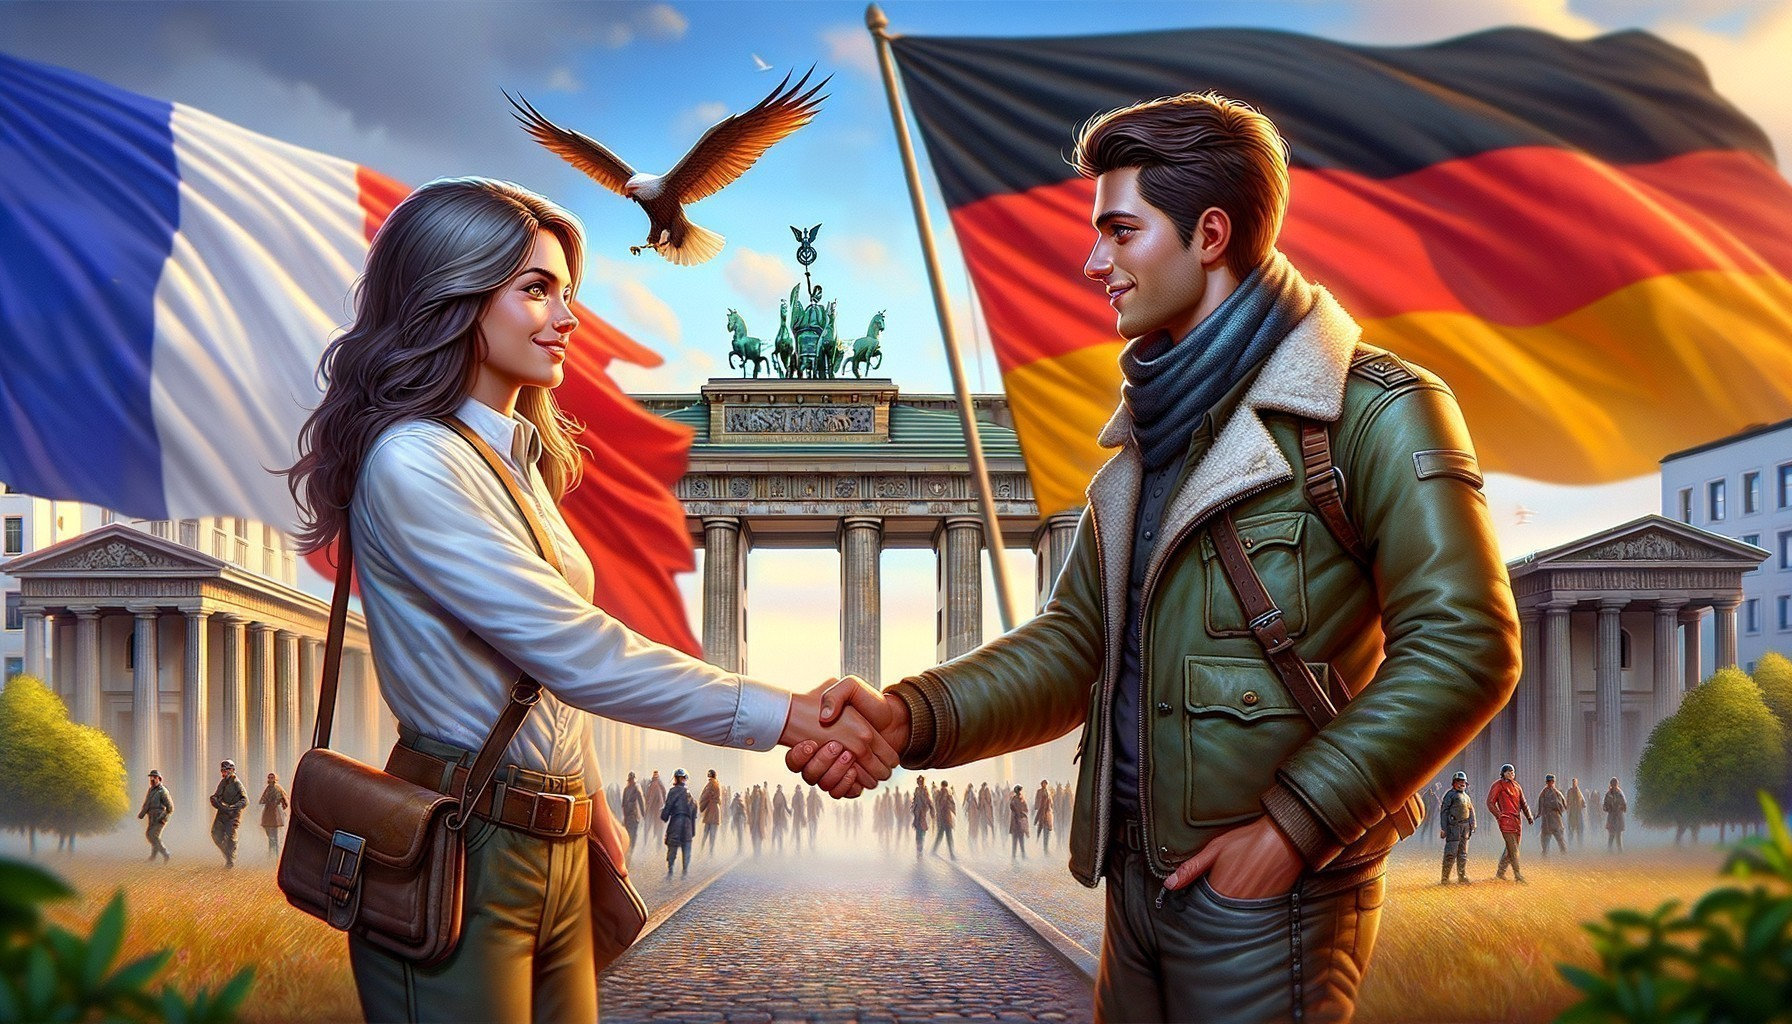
168,284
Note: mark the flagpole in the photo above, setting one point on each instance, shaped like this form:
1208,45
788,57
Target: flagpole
877,23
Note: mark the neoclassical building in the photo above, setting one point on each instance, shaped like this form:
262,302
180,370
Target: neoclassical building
186,658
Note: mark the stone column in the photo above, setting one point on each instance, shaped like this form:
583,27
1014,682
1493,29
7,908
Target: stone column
1559,706
1693,668
286,705
311,663
960,577
195,708
370,709
1667,658
234,737
87,665
724,593
1726,631
258,759
1051,549
1608,695
146,701
1532,742
861,550
34,645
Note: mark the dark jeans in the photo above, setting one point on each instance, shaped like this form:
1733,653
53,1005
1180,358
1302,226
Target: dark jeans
672,850
1510,855
1207,957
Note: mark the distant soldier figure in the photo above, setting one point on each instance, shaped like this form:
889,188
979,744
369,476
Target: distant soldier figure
758,817
679,812
1505,801
1043,817
655,797
710,804
1577,806
799,819
229,799
780,818
273,813
945,818
632,806
1456,818
814,814
1017,824
737,820
920,809
1614,805
1551,805
157,806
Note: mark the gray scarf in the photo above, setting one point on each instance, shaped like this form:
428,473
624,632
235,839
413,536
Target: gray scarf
1170,384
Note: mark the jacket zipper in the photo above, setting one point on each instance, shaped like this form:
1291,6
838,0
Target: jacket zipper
1103,752
1145,838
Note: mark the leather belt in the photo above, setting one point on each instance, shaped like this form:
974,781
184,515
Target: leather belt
517,798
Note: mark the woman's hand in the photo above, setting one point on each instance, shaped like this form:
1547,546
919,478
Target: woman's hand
827,733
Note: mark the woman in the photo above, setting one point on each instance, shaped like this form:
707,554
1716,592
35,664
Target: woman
273,813
465,310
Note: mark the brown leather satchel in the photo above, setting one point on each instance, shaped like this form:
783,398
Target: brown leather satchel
383,857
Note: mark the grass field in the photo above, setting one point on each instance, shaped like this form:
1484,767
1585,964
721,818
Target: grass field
1484,952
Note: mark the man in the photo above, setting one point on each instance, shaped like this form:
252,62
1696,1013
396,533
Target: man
780,818
632,806
1042,817
1506,802
1577,807
157,806
1614,805
945,817
710,803
814,815
679,812
273,813
655,801
1456,819
1551,805
1241,379
1017,825
920,809
229,799
799,819
737,820
758,816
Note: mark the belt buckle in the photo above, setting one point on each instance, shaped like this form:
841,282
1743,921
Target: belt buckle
558,830
1133,835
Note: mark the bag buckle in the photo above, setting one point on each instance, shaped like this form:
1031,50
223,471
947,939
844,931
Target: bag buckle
342,875
559,823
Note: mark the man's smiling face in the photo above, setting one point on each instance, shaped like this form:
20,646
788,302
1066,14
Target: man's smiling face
1153,280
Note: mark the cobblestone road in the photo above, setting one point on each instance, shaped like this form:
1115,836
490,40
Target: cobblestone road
788,940
1047,889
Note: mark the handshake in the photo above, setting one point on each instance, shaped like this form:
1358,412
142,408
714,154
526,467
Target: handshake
845,736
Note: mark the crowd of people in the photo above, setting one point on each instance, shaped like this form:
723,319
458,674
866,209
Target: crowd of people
1562,813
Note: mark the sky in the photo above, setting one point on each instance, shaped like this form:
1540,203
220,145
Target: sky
415,91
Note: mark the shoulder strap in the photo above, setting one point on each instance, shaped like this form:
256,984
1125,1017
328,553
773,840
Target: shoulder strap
1266,623
1325,487
523,695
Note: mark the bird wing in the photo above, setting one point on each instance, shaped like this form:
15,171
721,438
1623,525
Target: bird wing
580,150
735,143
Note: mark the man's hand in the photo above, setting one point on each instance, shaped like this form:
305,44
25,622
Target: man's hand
822,762
1249,862
827,732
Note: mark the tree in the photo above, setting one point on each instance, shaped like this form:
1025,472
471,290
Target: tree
90,785
1734,746
1667,791
1773,674
33,724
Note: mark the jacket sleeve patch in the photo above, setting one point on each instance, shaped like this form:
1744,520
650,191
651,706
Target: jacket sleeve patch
1447,462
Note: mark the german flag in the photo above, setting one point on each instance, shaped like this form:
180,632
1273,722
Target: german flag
1588,243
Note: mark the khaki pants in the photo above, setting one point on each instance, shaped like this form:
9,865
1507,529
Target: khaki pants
525,950
1207,957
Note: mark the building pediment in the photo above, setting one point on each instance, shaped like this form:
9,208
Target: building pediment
116,548
1652,539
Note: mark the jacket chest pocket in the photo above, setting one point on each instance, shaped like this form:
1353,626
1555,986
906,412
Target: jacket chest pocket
1273,543
1239,725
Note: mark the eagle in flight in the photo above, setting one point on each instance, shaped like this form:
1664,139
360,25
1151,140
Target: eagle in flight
724,153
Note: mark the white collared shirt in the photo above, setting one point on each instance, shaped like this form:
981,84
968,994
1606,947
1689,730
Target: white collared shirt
458,601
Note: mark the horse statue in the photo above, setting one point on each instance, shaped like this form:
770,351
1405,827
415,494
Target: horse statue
831,355
744,348
868,352
784,348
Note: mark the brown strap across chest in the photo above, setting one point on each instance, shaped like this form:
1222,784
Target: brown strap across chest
1266,624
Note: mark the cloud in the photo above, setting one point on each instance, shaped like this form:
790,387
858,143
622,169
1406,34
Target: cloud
759,277
662,22
563,80
646,315
864,253
851,48
696,120
1401,23
1748,69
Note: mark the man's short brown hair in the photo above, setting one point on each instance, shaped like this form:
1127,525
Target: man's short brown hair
1195,151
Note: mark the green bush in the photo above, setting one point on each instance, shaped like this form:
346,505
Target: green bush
49,973
1728,959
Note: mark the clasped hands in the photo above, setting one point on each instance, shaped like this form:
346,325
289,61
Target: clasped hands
844,736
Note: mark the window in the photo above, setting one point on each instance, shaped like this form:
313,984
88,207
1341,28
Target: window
1754,539
1686,504
15,611
1751,492
1714,501
1751,615
1786,485
1786,549
1624,648
14,667
15,535
1785,611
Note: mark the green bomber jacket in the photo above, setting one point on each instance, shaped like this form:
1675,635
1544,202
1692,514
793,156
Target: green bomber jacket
1425,636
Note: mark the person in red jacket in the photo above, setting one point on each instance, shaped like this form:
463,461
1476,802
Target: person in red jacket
1505,801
